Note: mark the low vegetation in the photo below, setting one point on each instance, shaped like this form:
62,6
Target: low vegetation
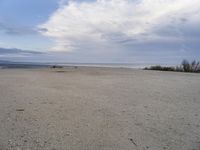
185,66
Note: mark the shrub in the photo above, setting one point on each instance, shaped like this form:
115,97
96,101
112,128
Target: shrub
185,66
160,68
191,67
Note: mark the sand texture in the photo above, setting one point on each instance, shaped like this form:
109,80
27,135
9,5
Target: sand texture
99,109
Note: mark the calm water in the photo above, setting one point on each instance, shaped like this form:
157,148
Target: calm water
111,65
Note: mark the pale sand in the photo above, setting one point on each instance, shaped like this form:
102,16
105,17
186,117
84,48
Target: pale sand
99,109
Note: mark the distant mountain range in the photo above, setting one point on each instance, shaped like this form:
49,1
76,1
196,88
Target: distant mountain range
17,51
10,64
5,62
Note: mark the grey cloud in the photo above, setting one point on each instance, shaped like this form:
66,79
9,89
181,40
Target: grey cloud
19,30
184,19
180,31
117,38
42,29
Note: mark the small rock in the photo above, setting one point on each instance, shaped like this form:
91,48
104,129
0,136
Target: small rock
20,109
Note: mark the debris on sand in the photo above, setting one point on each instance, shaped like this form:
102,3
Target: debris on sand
133,141
60,71
20,109
55,66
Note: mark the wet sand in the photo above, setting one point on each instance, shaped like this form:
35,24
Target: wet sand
99,109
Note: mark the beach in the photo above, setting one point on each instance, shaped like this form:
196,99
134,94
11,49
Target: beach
91,108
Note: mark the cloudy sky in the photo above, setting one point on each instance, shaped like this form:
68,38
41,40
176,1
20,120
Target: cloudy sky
100,31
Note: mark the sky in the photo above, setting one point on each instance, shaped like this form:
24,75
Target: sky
100,31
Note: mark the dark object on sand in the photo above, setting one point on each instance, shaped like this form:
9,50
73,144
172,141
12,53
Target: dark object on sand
20,109
133,142
55,66
60,71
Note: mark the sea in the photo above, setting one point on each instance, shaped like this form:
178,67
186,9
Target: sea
105,65
40,65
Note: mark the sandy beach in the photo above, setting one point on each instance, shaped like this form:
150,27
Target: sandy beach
99,109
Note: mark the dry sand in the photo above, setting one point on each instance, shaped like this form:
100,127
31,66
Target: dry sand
99,109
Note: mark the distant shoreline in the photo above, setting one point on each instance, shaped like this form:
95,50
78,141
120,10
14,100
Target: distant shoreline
57,65
28,65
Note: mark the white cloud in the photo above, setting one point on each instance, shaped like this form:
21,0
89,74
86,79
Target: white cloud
104,23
